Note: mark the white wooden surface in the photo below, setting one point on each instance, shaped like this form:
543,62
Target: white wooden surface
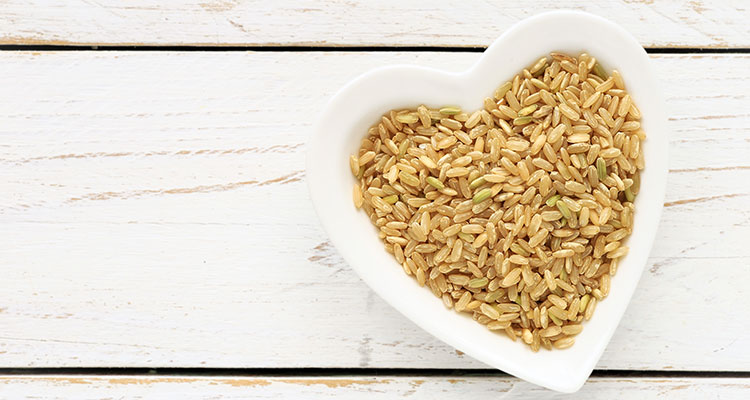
356,387
153,212
663,23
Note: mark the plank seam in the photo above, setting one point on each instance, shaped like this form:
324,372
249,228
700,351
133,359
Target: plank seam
335,372
232,48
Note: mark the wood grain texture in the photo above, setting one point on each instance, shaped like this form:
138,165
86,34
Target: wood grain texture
357,387
153,212
671,23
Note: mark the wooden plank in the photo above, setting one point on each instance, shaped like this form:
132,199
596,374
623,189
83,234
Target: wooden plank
698,23
153,212
358,387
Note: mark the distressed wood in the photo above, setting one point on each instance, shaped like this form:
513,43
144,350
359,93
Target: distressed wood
357,387
672,23
153,212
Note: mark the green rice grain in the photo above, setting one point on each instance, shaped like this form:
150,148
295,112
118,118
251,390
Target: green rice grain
600,72
629,195
552,200
392,199
601,168
477,183
522,120
563,209
482,195
435,182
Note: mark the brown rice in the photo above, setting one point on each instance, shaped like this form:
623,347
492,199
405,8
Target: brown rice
516,213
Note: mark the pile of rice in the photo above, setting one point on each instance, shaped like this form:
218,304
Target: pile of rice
516,213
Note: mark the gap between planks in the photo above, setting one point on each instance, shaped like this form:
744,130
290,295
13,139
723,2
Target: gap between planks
356,372
230,48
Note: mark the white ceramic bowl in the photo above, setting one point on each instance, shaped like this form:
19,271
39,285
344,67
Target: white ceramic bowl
344,122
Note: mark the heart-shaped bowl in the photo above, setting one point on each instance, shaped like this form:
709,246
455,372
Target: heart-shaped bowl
344,123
